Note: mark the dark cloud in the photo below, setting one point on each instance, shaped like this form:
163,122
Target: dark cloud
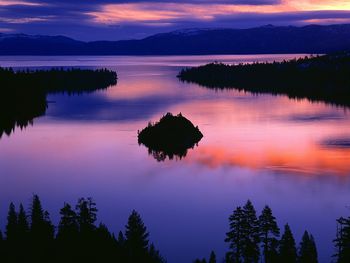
101,2
316,117
71,18
339,143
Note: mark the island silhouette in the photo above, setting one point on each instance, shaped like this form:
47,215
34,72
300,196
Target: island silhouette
170,137
317,78
24,93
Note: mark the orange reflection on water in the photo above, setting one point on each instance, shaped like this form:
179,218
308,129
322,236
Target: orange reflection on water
272,133
311,161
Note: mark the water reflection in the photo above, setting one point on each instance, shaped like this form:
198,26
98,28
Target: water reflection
272,138
23,93
269,149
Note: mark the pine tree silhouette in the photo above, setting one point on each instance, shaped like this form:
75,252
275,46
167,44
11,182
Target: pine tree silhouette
68,235
212,257
41,232
154,255
121,239
23,234
136,238
121,248
313,249
251,250
23,226
269,232
105,245
287,249
87,214
12,223
68,225
342,241
235,236
307,249
77,240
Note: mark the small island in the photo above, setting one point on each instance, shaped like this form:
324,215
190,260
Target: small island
23,93
317,78
171,136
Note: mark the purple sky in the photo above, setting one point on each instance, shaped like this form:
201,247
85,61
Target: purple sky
125,19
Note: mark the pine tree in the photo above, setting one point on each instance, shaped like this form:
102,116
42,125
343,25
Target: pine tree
67,235
68,225
87,214
48,226
36,218
307,249
12,224
235,236
154,255
342,241
23,226
41,228
121,239
41,232
23,235
313,249
121,248
86,217
105,244
251,251
11,231
287,249
136,238
212,258
269,232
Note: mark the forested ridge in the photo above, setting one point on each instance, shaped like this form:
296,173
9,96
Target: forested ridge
317,78
23,93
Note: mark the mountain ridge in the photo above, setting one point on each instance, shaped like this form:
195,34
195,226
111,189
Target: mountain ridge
191,41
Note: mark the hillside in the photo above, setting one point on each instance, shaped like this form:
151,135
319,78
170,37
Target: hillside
260,40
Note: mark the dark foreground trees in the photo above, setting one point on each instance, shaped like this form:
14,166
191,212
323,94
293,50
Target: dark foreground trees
253,239
307,249
31,237
248,236
287,249
342,240
269,234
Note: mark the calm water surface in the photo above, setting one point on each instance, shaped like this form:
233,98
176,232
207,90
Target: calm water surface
291,154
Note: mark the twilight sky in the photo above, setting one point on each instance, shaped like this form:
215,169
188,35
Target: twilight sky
125,19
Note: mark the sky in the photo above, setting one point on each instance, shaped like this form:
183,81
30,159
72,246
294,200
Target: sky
134,19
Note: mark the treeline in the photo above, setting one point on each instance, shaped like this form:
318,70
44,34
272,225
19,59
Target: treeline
320,78
30,236
23,93
253,239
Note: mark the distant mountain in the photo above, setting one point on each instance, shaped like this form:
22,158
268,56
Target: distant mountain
259,40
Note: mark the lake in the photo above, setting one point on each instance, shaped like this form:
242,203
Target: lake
291,154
